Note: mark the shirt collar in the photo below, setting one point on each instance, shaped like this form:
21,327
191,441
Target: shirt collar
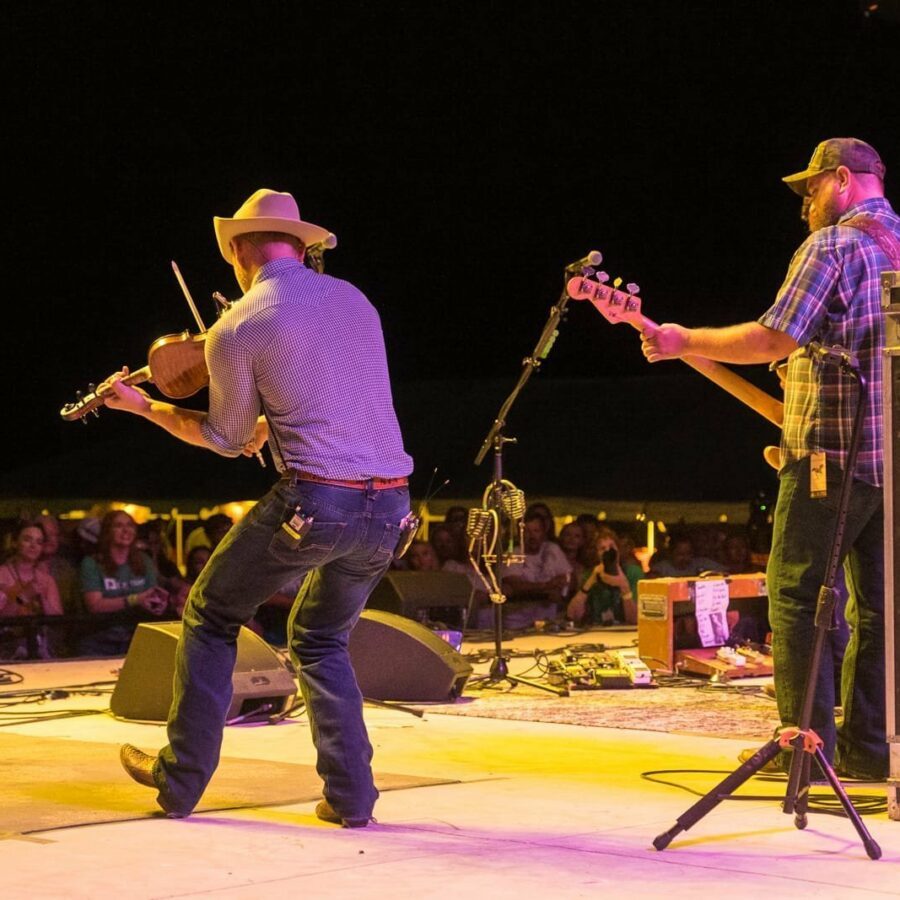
276,267
873,204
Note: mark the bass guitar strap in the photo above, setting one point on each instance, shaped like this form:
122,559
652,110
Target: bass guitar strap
879,233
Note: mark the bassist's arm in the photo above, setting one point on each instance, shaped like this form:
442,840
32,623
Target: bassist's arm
746,343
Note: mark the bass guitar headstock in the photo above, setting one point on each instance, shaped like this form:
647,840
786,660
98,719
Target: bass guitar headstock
613,303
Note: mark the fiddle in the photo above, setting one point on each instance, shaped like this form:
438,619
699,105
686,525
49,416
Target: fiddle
175,364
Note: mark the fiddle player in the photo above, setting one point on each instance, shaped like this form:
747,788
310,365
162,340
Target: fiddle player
306,351
831,295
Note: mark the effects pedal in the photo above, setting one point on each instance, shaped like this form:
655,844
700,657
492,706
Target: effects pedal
638,672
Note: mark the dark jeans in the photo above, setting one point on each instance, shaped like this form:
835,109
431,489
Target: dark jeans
801,547
348,548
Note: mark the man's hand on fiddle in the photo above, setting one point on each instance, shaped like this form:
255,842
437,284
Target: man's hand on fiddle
664,342
118,395
260,436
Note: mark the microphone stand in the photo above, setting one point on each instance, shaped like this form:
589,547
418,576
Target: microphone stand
804,742
499,670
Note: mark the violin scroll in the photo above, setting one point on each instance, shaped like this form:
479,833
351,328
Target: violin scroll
92,401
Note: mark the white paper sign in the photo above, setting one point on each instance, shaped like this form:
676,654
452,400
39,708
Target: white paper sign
710,608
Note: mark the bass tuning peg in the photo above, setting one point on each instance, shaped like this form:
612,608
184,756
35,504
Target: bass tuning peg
603,277
633,288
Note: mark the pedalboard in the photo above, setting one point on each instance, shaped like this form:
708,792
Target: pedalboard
613,670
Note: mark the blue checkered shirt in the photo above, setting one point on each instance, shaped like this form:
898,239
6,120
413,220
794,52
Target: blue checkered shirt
832,294
307,349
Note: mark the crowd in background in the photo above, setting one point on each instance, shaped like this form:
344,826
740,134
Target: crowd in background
585,571
106,574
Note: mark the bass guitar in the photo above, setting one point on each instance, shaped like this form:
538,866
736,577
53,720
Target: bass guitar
616,305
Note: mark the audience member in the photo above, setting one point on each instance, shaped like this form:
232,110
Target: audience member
119,579
634,572
571,541
589,526
457,517
601,598
209,533
271,619
542,510
57,563
421,557
151,540
196,560
679,561
543,578
709,543
87,532
736,558
27,590
447,542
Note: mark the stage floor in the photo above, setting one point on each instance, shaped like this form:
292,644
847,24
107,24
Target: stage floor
538,810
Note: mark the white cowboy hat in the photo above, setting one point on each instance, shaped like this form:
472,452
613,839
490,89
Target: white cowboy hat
269,211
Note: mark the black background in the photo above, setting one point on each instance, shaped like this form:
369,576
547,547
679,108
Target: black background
463,153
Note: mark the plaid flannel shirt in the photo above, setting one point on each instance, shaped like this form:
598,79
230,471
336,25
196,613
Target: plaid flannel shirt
832,294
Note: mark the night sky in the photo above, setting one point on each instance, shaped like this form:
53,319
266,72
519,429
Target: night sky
463,153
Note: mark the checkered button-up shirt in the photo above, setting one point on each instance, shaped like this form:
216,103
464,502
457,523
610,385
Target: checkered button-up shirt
307,349
832,294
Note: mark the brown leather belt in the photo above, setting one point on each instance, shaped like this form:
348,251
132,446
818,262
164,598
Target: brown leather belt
377,484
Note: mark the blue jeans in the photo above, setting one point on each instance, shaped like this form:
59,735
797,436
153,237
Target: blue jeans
801,546
347,550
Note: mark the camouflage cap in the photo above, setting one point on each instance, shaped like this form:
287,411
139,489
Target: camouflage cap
856,155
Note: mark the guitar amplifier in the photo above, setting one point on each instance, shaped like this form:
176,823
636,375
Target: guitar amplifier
667,621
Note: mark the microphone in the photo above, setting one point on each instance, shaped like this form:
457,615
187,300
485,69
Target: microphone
594,258
477,524
513,503
315,252
222,305
329,242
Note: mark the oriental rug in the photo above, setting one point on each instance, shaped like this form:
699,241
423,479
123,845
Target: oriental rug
711,712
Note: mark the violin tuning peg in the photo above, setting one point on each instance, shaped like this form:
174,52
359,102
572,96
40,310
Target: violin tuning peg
96,413
617,283
633,288
91,387
84,420
603,277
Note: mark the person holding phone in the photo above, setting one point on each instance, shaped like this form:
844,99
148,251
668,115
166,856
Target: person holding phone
601,598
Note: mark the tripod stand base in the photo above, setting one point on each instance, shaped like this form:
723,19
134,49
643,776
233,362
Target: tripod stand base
499,671
806,746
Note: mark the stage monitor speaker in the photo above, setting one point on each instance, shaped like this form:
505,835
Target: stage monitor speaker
405,593
397,659
144,689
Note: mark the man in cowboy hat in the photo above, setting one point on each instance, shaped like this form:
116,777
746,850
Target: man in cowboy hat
306,351
831,296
